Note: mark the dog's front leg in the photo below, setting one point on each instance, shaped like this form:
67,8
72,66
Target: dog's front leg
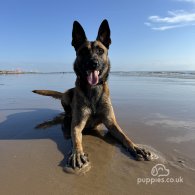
78,157
113,127
137,152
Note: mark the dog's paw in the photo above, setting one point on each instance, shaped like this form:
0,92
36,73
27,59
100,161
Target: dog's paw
77,160
78,164
139,153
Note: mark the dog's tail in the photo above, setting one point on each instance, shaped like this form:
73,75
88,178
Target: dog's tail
54,94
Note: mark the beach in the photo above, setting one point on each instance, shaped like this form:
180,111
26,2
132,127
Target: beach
155,111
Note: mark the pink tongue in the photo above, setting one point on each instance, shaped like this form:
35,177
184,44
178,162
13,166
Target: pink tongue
93,78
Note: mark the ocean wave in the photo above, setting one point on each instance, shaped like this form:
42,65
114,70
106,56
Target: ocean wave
163,74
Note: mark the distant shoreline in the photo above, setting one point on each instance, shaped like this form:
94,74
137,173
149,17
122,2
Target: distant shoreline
157,74
13,72
117,72
29,72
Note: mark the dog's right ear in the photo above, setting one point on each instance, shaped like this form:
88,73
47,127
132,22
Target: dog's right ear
78,35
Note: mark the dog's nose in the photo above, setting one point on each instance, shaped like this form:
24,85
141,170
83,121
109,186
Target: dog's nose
95,64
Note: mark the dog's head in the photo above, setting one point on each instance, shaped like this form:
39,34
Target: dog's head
92,64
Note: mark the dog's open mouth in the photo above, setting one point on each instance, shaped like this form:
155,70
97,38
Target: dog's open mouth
93,77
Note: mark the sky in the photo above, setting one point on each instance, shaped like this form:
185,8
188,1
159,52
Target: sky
153,35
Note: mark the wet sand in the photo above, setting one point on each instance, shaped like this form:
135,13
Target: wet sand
156,113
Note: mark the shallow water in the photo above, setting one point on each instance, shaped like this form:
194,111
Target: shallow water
157,112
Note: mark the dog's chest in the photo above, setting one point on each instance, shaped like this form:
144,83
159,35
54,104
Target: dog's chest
94,100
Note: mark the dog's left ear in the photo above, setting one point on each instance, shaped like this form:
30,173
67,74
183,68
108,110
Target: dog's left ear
104,34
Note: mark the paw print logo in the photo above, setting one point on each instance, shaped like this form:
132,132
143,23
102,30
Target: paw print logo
160,170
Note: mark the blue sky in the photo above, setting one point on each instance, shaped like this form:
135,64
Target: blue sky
146,34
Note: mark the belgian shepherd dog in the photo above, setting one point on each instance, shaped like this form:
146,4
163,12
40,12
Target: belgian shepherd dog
88,103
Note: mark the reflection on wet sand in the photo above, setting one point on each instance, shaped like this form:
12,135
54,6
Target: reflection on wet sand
30,156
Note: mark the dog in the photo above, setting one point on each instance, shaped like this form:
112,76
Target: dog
88,104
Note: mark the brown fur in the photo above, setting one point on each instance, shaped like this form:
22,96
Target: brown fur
90,106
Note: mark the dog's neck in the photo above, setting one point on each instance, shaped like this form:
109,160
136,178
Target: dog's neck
92,93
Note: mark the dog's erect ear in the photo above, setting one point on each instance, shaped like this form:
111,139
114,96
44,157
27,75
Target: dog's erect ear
104,34
78,35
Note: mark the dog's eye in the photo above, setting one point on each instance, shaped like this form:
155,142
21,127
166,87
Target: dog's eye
100,51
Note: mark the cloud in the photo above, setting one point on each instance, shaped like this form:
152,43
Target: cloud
174,19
